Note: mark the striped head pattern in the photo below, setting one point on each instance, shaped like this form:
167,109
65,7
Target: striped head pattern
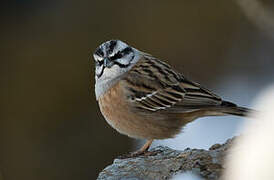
113,58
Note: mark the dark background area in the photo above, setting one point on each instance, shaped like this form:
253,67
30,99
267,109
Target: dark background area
50,126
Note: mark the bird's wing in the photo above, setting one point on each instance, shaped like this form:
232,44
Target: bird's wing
154,86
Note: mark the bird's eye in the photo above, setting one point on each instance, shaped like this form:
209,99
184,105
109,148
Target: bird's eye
121,54
116,56
125,61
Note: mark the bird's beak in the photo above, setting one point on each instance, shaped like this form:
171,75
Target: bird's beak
107,63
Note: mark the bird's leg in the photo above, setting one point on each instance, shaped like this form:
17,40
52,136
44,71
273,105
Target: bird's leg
142,151
145,147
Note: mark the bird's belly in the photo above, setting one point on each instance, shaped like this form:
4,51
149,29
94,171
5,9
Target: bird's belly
120,116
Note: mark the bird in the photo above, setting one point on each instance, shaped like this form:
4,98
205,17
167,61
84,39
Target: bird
145,98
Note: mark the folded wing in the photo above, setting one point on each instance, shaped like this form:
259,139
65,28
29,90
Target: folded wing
153,86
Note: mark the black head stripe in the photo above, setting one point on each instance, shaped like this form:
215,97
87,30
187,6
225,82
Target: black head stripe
121,65
100,63
112,45
122,53
118,55
127,51
99,52
124,65
101,73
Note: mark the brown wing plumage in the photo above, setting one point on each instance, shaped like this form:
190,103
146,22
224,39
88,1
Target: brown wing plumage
154,86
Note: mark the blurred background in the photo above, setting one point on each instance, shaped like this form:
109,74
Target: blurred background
51,127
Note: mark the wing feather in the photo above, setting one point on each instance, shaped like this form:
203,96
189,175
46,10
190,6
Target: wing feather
154,86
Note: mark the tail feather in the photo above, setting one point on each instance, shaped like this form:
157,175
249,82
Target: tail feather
233,109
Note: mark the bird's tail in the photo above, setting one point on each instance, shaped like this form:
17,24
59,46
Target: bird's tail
233,109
